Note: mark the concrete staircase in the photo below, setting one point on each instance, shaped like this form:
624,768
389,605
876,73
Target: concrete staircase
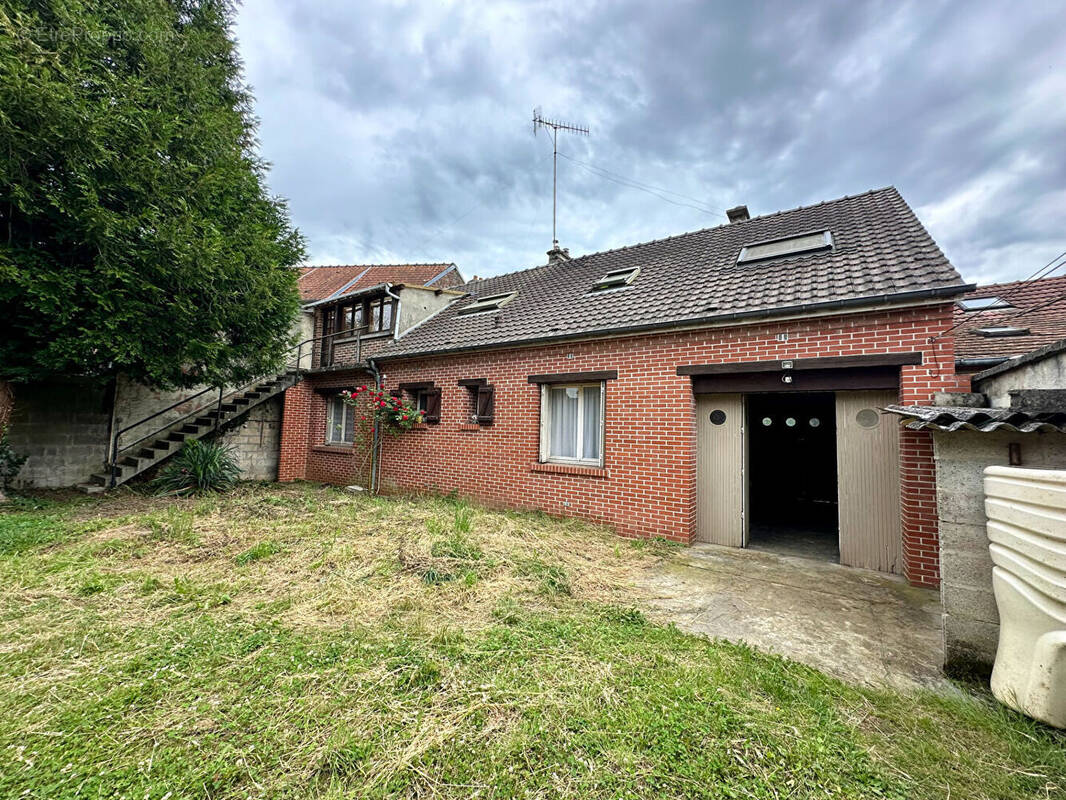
133,459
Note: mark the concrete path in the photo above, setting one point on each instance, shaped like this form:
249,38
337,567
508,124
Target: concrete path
858,625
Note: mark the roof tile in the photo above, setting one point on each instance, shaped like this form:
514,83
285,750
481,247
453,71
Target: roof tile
879,248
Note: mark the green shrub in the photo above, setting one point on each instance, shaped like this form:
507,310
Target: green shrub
199,467
10,461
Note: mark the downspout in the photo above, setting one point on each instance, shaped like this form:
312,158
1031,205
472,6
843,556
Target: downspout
375,453
375,444
396,314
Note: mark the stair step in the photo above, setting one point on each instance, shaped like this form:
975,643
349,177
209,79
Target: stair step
207,420
240,401
177,436
100,478
91,488
130,461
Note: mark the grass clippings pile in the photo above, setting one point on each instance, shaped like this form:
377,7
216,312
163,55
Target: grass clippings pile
308,642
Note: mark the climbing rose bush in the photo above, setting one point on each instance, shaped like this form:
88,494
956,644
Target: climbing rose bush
394,415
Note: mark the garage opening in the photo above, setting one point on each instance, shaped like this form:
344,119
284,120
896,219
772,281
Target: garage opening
792,474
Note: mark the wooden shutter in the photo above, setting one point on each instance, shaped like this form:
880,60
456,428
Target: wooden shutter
486,404
432,406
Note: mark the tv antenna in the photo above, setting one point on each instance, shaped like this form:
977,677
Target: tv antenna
555,126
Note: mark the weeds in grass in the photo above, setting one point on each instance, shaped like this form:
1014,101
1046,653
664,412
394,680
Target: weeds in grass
552,578
335,669
258,552
172,525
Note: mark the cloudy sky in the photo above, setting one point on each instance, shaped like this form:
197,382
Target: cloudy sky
401,131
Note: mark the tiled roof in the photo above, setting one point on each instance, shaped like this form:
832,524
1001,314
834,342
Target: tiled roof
984,420
1032,307
879,248
318,283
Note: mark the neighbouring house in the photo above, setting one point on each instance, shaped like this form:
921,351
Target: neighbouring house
70,427
1015,414
720,386
1001,321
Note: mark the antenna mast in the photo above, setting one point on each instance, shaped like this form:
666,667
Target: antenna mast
555,126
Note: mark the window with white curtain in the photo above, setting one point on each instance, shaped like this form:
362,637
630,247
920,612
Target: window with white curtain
340,422
571,422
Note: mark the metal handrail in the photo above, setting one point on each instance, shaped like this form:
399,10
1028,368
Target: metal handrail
115,451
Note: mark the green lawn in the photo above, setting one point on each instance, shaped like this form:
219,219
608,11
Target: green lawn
306,642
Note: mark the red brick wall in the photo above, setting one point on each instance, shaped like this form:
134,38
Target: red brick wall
648,484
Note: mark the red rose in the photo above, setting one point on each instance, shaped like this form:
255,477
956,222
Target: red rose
405,416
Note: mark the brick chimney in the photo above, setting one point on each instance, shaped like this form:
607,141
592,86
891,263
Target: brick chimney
557,255
738,214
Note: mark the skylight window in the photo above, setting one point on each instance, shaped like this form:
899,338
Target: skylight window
616,278
789,246
489,303
1001,330
981,303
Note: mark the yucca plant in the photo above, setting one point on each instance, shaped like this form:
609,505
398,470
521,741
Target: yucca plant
199,467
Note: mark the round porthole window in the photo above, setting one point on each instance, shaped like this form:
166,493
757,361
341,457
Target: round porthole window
815,422
868,418
791,422
718,416
767,422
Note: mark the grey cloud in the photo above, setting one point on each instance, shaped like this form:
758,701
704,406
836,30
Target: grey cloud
402,131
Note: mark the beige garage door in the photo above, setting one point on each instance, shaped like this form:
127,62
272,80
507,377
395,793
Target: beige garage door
868,481
720,476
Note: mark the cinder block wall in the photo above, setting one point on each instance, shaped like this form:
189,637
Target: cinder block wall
971,624
257,441
62,426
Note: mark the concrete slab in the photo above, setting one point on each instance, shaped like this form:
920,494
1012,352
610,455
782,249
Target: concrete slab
861,626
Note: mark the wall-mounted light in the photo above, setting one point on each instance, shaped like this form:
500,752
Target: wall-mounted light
786,365
786,379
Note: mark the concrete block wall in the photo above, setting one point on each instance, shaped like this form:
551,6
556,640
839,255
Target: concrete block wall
971,623
62,426
257,441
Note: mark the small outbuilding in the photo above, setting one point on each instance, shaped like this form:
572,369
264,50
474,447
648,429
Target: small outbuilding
1014,415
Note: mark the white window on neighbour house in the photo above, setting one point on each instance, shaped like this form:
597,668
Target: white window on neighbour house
571,420
340,422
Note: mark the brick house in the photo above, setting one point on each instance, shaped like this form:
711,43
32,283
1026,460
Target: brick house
1001,321
721,386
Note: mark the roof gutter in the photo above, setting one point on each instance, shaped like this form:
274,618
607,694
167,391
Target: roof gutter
335,299
740,316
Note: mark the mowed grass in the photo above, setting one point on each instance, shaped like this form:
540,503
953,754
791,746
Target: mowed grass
299,641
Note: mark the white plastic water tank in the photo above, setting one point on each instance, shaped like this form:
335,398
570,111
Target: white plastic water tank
1026,511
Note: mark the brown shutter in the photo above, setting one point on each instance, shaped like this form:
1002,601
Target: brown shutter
432,406
486,404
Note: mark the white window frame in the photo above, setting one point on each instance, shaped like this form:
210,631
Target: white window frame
616,279
492,302
335,404
545,423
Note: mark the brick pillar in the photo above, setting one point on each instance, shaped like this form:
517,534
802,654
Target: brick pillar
921,542
295,432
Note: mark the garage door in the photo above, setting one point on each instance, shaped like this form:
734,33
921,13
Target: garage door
721,483
868,481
